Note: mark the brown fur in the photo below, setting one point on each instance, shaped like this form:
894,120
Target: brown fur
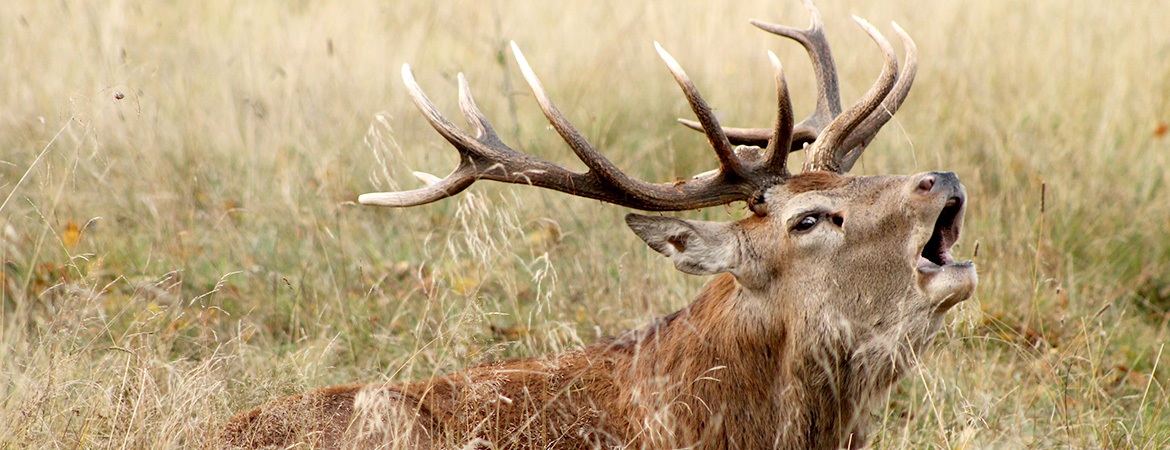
600,396
815,181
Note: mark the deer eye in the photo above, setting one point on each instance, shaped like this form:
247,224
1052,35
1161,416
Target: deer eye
806,223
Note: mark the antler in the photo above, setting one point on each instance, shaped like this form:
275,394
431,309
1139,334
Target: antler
828,97
837,138
485,156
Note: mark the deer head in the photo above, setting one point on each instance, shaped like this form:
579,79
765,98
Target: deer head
825,293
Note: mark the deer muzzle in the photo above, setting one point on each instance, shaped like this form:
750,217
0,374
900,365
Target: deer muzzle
945,281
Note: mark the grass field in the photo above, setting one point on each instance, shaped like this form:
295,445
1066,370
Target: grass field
180,239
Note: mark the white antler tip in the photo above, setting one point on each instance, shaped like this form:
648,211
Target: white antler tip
516,51
775,61
407,75
662,52
373,199
424,177
898,28
529,74
874,34
670,61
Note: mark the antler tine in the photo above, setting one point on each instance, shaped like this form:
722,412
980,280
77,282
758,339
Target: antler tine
860,138
475,118
817,45
776,154
455,182
828,94
827,152
585,151
448,130
742,136
728,162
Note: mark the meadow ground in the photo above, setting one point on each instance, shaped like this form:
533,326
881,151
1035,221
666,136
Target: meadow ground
179,238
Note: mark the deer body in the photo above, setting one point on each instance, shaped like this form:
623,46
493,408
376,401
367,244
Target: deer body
821,299
778,353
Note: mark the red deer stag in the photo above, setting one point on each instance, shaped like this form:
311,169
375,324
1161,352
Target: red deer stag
820,300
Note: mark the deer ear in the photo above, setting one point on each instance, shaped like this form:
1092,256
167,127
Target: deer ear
697,248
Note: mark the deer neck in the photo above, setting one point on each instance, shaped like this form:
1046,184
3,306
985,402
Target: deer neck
788,381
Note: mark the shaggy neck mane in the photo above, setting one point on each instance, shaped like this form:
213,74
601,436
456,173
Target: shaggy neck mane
723,373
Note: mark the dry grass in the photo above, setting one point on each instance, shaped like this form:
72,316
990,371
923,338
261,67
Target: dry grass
179,240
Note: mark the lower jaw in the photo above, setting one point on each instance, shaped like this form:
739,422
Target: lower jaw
949,284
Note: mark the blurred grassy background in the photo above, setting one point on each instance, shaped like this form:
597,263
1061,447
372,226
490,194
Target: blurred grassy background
179,238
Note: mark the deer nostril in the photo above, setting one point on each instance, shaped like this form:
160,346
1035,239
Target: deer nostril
926,184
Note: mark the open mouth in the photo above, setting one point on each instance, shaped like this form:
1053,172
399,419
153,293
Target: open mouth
937,251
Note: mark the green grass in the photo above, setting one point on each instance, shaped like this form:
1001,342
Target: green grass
179,238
